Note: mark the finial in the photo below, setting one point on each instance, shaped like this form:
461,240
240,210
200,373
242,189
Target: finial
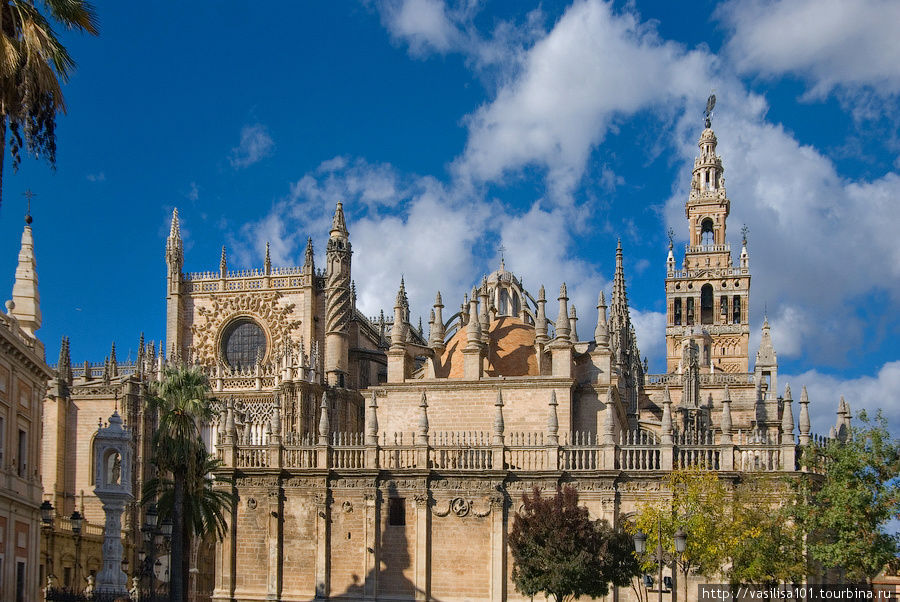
671,234
268,262
28,196
223,263
744,231
710,105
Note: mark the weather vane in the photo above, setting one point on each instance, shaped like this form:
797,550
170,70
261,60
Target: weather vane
28,196
710,105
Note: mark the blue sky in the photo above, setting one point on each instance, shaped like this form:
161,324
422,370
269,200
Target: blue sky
450,128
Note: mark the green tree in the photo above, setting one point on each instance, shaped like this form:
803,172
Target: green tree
33,62
205,507
849,506
698,506
765,544
557,549
182,400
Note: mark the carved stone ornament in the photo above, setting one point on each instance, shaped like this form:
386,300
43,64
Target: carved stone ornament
251,503
347,507
459,506
277,320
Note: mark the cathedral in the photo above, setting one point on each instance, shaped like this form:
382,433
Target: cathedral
370,459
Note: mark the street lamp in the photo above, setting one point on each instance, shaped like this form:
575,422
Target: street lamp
151,518
47,520
640,546
76,519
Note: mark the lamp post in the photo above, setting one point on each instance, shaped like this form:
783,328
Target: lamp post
76,520
640,546
47,520
151,517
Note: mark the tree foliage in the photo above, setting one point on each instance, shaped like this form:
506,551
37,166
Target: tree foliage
847,510
741,533
558,550
33,62
181,399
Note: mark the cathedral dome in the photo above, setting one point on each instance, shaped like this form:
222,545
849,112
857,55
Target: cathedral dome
511,351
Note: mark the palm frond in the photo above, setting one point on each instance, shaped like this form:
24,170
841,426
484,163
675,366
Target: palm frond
74,14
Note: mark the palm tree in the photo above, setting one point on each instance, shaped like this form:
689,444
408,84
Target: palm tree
33,62
182,399
205,508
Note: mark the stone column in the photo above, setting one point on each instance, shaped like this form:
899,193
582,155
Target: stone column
498,546
423,545
323,543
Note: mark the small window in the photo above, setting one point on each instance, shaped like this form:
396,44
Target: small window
690,311
677,317
23,452
397,512
736,318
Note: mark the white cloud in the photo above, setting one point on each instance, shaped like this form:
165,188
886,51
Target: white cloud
256,144
592,68
193,192
650,329
830,43
96,177
424,24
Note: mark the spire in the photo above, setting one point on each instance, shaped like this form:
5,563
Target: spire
745,257
562,318
552,420
309,264
398,334
666,421
437,333
540,323
371,420
223,263
113,362
64,366
25,296
422,426
174,247
338,225
498,419
267,263
608,438
804,417
726,417
670,258
787,418
601,333
324,423
573,321
473,328
766,355
619,303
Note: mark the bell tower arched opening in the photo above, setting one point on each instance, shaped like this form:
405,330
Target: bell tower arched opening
706,304
707,232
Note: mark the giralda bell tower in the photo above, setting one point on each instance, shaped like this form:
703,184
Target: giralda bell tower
708,298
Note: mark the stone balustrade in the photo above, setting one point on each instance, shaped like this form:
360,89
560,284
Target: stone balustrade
634,451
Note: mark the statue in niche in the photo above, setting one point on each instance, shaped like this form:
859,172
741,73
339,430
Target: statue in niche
114,472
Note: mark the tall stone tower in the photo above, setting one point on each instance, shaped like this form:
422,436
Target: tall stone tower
708,299
338,303
174,266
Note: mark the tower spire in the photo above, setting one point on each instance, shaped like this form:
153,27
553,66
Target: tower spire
309,264
25,296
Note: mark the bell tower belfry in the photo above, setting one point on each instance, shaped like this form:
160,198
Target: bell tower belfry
707,301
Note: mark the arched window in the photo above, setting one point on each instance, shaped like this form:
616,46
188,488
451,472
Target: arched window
690,311
736,312
677,312
504,302
516,304
243,342
707,236
706,304
723,303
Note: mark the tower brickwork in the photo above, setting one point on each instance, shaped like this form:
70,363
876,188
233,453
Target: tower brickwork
707,301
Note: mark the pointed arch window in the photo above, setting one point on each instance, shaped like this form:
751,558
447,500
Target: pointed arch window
723,304
677,312
706,304
736,318
504,302
690,311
